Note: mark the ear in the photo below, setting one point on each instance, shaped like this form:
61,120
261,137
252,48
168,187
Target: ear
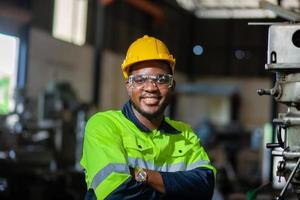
128,87
173,86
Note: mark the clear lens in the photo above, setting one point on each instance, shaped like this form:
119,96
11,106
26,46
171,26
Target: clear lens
160,80
163,79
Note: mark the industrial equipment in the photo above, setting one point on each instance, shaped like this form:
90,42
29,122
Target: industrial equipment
284,61
41,146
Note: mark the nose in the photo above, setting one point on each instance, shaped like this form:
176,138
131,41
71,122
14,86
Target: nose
150,85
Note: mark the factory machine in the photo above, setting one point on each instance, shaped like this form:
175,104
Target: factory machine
284,61
40,146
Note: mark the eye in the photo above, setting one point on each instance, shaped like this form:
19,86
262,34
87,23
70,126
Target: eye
139,79
163,79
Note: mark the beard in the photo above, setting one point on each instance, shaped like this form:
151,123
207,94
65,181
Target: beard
155,115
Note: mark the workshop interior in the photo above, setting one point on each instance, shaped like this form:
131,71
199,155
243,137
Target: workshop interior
237,84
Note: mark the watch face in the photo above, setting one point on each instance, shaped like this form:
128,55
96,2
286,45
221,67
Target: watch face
141,176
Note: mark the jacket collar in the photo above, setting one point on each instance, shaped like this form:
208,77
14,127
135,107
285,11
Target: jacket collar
164,127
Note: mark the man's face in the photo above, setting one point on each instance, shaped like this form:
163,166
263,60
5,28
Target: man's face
150,98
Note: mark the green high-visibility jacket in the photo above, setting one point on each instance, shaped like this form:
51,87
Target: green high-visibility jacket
113,143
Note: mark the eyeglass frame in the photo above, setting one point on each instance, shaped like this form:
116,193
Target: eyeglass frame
153,78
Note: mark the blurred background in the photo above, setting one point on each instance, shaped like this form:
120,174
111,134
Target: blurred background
60,62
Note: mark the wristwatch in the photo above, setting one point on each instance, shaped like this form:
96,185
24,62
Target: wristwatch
141,175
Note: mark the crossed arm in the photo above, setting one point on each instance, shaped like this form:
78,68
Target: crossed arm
196,183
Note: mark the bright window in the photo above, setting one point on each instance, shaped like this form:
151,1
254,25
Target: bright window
70,19
233,8
9,51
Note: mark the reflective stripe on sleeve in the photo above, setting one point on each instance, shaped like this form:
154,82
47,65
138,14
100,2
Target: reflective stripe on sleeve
138,162
106,171
198,164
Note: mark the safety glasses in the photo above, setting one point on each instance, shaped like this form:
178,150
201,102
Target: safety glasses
160,80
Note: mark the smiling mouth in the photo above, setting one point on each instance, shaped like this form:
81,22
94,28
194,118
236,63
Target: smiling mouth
151,100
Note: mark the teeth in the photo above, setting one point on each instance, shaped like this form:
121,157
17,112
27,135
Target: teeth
150,100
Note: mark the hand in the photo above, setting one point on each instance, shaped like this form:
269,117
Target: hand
154,179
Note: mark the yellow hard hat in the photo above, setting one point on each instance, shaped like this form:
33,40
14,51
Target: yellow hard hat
146,48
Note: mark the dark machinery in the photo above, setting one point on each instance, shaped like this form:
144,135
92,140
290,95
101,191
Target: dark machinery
40,146
284,61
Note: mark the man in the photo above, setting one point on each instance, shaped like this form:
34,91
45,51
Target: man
138,153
